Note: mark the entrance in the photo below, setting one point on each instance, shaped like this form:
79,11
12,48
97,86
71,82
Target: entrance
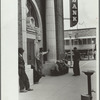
30,51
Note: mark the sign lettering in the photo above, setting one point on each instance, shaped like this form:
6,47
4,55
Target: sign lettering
73,12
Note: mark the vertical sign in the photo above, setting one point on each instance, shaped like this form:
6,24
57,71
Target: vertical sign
73,12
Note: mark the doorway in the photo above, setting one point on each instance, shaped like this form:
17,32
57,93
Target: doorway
30,51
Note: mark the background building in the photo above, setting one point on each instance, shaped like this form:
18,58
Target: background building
41,26
83,39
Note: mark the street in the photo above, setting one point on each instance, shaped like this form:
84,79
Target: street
64,87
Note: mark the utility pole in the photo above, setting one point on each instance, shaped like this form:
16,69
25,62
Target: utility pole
70,35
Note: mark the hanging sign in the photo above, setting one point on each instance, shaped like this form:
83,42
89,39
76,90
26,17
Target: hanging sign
73,12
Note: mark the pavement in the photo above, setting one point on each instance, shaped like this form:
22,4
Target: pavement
64,87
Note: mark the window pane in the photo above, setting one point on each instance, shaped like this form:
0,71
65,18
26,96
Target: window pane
94,40
80,42
67,42
89,41
72,42
84,41
76,42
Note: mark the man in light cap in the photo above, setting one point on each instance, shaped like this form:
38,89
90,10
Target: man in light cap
23,79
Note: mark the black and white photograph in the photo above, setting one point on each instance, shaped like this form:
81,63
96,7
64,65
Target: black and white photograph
49,50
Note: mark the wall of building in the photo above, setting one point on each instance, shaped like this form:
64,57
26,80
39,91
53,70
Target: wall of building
83,39
39,6
81,43
19,24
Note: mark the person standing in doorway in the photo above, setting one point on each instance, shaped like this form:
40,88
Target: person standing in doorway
23,79
76,59
39,60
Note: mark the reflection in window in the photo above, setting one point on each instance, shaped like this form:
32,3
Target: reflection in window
76,42
94,40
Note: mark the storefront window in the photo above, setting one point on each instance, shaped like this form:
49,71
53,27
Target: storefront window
80,41
84,41
67,42
89,41
94,40
76,42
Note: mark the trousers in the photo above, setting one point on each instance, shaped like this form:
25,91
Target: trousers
76,68
23,79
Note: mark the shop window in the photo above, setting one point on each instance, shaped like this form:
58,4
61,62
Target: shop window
72,42
80,41
94,40
76,42
89,41
67,42
84,41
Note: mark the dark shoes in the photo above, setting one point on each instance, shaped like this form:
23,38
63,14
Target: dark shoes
76,75
73,75
43,75
36,82
29,89
23,91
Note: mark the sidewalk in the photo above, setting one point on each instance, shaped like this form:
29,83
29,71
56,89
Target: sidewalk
65,87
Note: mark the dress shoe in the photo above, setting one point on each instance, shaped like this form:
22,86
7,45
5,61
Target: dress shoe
74,75
36,82
43,75
78,74
29,89
22,91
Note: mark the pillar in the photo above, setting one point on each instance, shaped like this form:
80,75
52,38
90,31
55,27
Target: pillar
59,28
19,24
50,30
24,33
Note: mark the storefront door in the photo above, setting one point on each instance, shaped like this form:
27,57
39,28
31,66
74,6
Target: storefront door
30,51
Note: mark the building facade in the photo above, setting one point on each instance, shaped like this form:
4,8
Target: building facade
41,26
83,39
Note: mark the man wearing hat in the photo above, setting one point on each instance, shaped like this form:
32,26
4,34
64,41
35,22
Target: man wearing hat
76,59
23,79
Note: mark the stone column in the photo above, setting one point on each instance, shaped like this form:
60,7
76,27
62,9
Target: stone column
24,33
50,30
19,24
59,28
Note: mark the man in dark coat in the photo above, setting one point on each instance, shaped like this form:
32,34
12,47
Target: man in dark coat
23,79
76,59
